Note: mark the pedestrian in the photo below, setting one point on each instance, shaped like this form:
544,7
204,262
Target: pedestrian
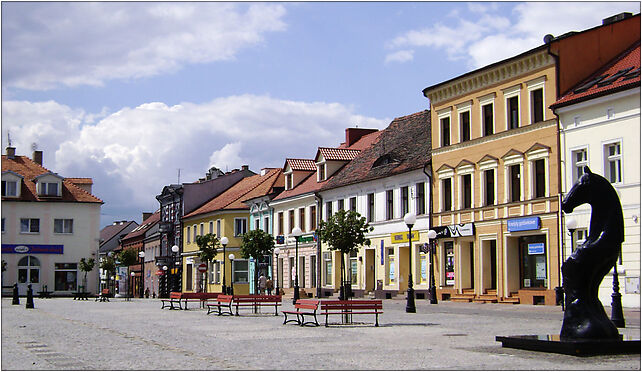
269,285
262,283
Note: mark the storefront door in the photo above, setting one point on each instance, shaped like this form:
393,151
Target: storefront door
28,273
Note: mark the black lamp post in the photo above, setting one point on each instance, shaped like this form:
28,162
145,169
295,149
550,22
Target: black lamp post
232,271
432,234
224,242
617,317
141,254
174,280
276,270
296,232
410,220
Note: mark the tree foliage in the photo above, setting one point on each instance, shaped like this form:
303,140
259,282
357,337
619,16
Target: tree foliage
108,264
208,246
345,231
86,266
257,243
127,257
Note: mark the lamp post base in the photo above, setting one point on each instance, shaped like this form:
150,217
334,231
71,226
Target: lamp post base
296,294
410,303
433,295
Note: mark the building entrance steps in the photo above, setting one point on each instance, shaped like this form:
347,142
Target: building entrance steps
490,296
511,299
467,295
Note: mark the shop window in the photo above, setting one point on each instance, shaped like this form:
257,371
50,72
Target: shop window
404,200
327,268
371,207
30,225
65,276
63,226
353,268
449,263
392,279
423,267
533,261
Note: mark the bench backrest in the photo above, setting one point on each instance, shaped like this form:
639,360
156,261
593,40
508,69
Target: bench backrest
105,291
257,298
224,298
209,295
307,304
175,295
352,305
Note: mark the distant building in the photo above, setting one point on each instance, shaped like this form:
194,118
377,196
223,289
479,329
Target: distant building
109,243
140,272
49,223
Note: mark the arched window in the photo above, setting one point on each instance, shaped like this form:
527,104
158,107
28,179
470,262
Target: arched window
29,270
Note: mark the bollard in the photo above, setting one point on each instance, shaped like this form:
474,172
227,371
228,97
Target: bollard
16,300
29,304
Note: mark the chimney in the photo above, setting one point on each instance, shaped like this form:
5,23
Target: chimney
146,215
37,157
355,134
615,18
11,152
245,167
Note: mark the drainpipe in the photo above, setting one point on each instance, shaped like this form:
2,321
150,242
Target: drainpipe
319,202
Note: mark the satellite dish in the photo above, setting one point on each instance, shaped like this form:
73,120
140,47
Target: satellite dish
34,146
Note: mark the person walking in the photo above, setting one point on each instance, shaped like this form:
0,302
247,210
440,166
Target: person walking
262,283
269,285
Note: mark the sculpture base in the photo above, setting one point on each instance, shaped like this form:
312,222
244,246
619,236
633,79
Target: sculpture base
579,347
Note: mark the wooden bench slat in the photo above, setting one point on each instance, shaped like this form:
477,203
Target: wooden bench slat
349,307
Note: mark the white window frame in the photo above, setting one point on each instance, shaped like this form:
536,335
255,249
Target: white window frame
441,115
532,85
441,176
509,93
189,230
608,158
321,171
29,228
6,188
236,232
488,99
509,161
576,165
234,270
43,188
531,158
462,108
66,222
462,171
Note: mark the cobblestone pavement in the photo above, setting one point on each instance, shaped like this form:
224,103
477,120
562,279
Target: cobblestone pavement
63,334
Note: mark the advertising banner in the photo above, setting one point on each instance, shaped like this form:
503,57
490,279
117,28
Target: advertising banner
455,231
33,248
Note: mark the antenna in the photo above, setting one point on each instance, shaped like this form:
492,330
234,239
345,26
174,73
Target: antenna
34,146
179,176
9,138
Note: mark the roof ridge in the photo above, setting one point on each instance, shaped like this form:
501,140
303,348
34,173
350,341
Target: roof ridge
251,189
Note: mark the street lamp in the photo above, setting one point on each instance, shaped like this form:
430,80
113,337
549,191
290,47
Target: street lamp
231,256
166,281
276,271
141,254
410,219
617,317
174,251
132,275
224,242
296,232
432,234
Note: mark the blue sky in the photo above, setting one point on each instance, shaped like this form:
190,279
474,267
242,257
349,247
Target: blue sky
128,93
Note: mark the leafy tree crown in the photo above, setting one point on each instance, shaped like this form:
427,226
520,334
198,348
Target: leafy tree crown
257,243
345,231
87,265
208,246
127,257
108,264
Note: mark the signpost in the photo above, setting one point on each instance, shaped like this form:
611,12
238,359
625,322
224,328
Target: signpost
202,268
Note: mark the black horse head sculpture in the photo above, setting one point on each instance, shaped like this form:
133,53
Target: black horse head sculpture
583,271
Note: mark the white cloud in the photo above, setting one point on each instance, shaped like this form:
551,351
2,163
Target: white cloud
400,56
134,152
46,45
484,34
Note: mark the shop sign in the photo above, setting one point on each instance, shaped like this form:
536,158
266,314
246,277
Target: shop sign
33,248
523,224
402,237
536,248
381,252
280,239
307,239
455,231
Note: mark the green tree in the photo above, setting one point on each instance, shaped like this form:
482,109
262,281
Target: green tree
208,248
108,265
86,266
127,257
256,244
345,231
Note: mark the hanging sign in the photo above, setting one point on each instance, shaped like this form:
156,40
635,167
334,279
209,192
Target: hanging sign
382,252
455,231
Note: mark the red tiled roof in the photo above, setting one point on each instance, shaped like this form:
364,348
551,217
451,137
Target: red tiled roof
232,198
622,73
29,170
301,164
330,153
109,231
144,226
80,181
402,147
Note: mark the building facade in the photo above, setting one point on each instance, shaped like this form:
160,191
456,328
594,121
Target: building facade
48,224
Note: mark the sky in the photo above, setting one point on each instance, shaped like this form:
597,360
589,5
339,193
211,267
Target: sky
129,93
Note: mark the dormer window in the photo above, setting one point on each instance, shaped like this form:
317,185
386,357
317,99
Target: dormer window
48,188
9,188
321,172
289,181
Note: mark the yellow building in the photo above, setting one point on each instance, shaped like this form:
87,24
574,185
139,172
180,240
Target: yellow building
226,216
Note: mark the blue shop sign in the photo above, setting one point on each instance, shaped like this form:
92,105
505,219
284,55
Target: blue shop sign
33,248
523,224
536,248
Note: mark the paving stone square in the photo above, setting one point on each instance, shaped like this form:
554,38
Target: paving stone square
63,334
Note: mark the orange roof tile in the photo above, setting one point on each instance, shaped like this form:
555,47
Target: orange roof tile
330,153
232,198
29,170
301,164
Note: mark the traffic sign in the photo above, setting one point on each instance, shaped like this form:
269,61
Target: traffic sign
160,272
202,268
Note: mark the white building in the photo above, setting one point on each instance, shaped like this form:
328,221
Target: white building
600,128
48,224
